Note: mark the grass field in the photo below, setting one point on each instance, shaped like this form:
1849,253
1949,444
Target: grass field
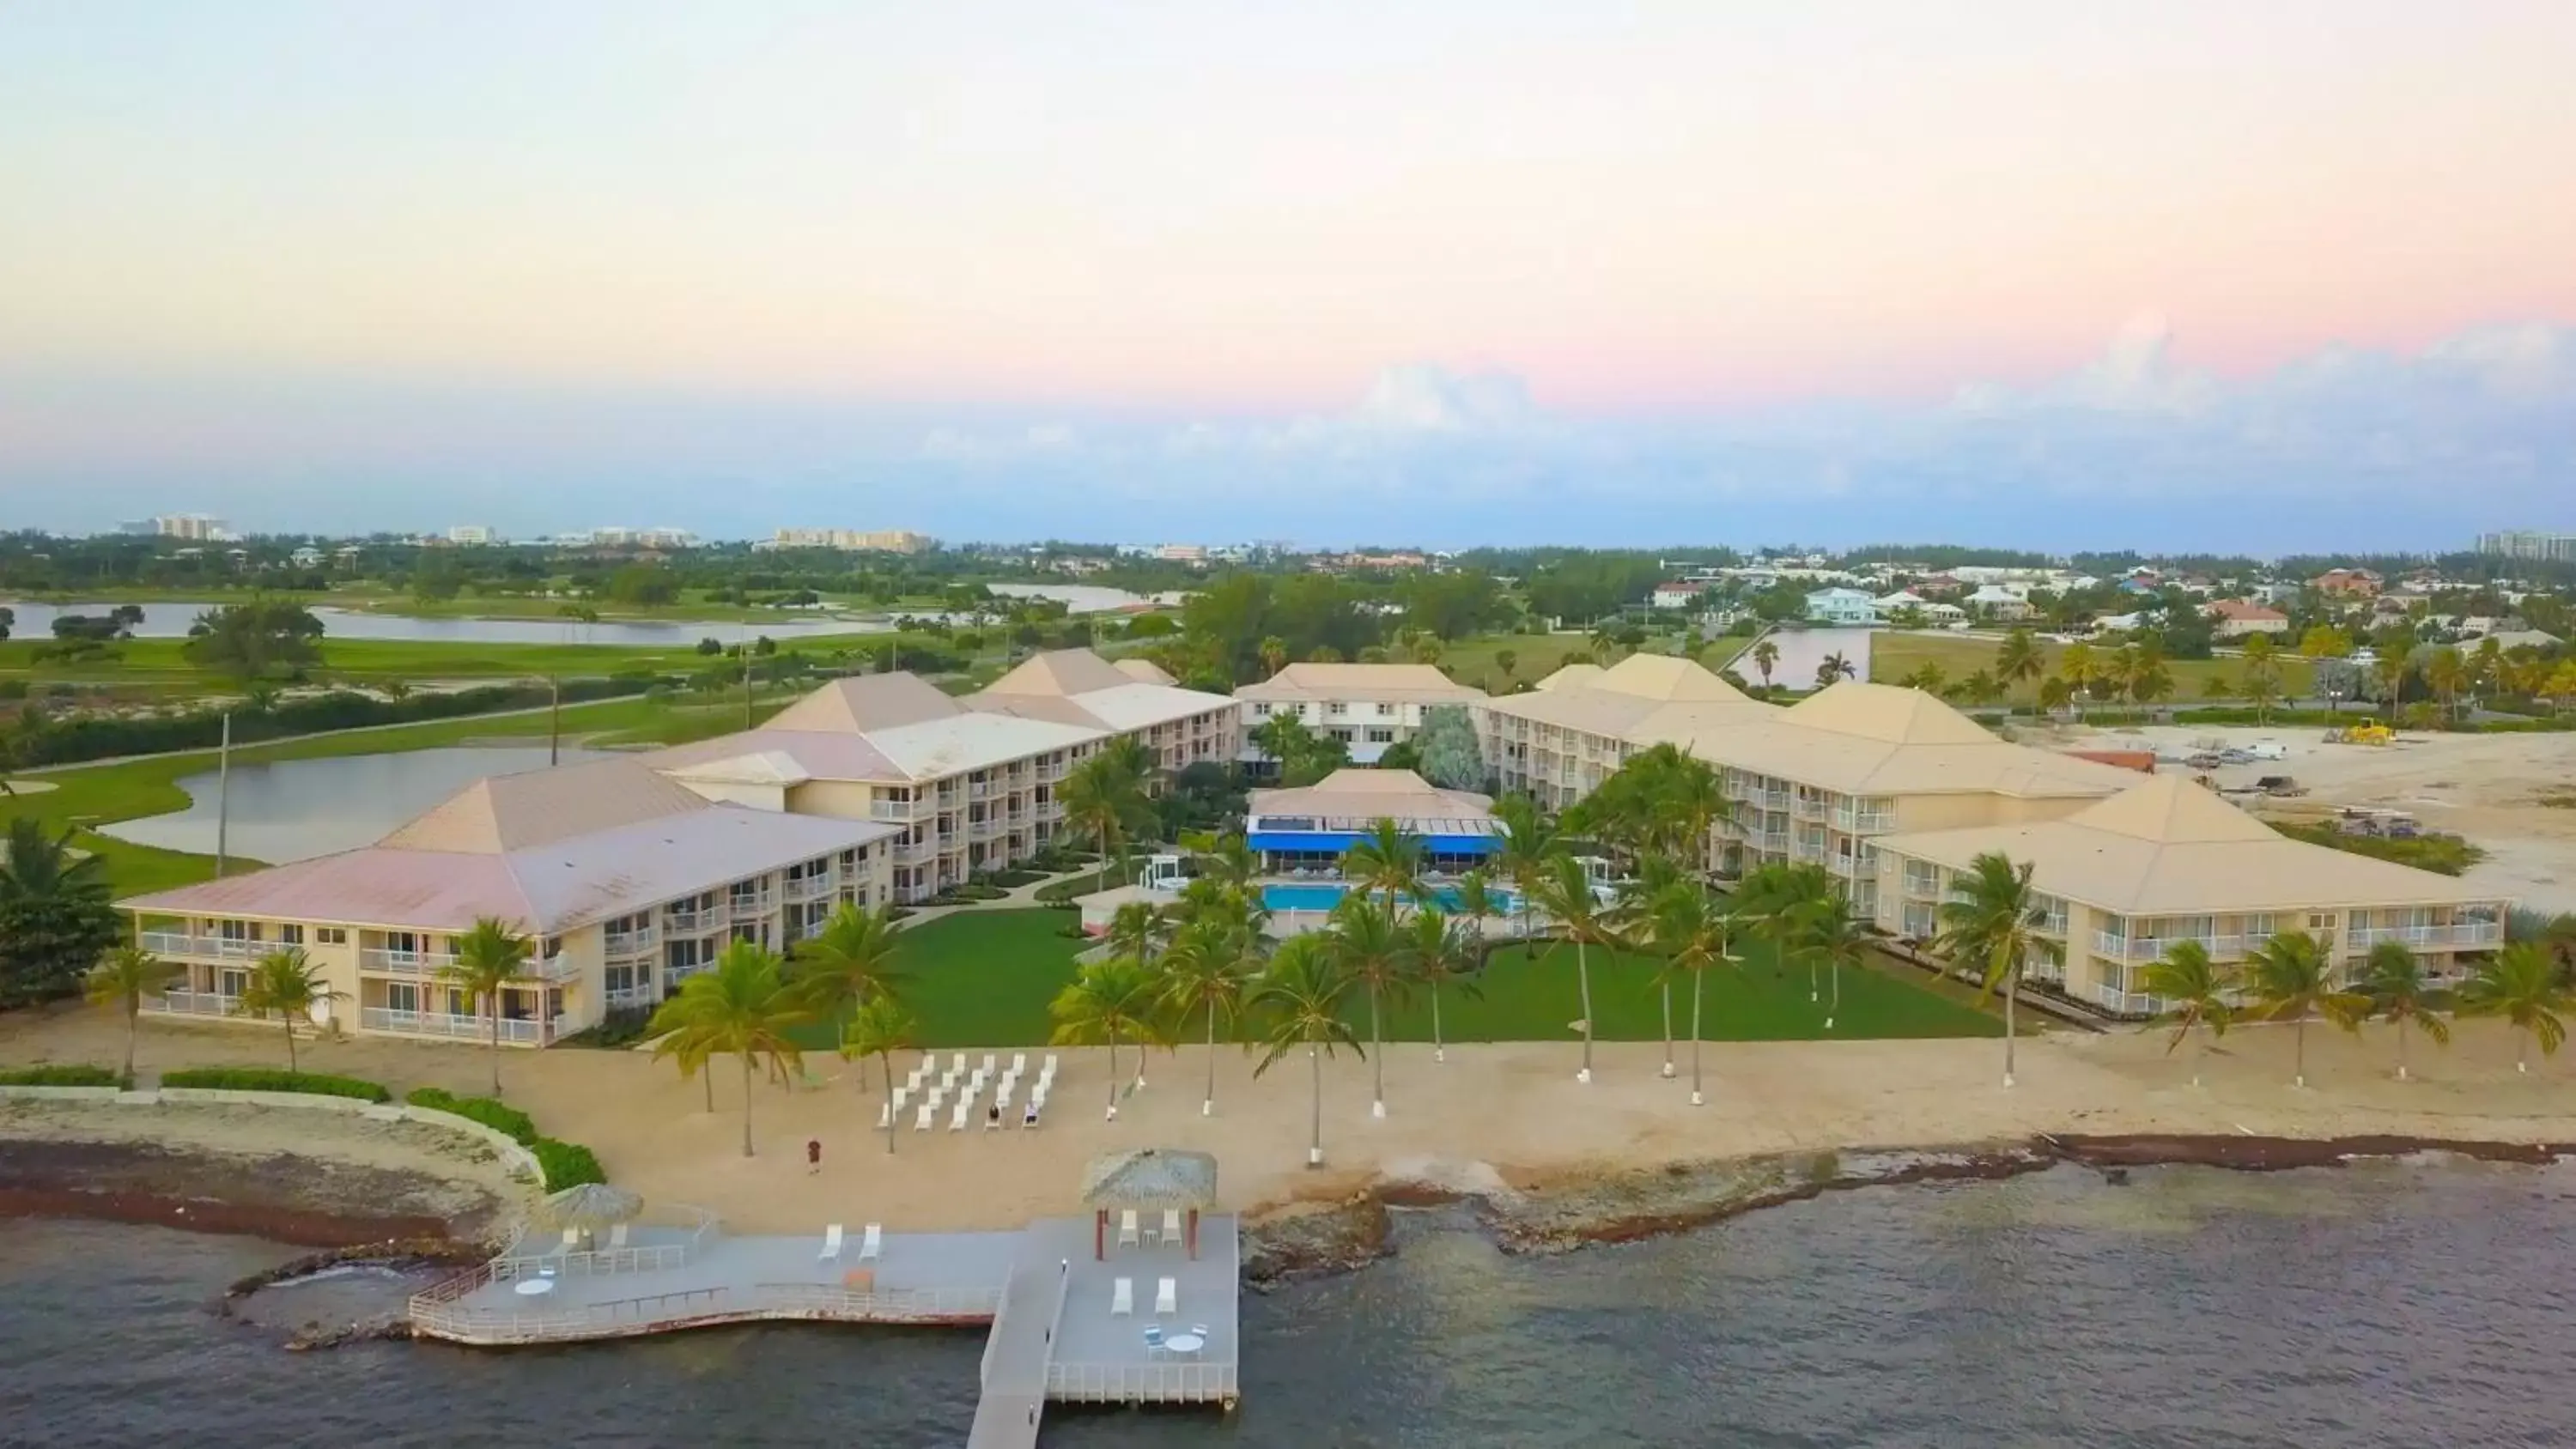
158,662
100,794
1892,656
693,604
984,978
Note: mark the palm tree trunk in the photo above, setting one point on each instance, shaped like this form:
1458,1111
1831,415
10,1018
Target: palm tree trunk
1696,1098
496,1045
746,1104
1113,1075
1439,1049
2199,1055
709,1082
287,1020
133,1015
2401,1049
2299,1051
1315,1151
1207,1108
1583,983
887,1062
2012,999
1837,1003
1668,1030
2522,1051
1377,1049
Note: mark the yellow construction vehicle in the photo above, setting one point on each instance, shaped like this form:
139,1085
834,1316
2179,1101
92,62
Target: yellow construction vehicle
2362,734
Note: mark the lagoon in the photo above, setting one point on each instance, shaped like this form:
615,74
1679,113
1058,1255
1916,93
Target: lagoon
171,621
290,810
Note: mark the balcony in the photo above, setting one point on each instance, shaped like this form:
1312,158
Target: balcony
461,1028
1809,807
1811,851
811,888
2153,948
984,829
190,1003
628,997
2124,1003
2464,933
916,852
898,812
633,943
676,922
1853,867
397,962
181,945
1922,885
745,904
1775,842
1863,822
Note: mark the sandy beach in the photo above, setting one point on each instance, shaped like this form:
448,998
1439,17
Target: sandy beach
1491,1119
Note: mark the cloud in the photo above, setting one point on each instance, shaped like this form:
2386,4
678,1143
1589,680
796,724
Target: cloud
1421,398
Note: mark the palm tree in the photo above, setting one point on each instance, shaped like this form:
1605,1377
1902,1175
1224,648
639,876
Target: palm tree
2520,984
1274,654
742,1006
1377,956
2077,666
2394,981
2055,694
1564,891
2448,673
286,982
1993,923
122,979
1631,914
1693,934
1529,844
878,1028
1766,656
844,966
1834,670
56,900
1385,862
2390,670
1133,931
1772,901
1204,972
1446,950
490,959
1299,1000
2293,977
1104,798
2020,658
1830,933
2262,676
1110,1001
2195,990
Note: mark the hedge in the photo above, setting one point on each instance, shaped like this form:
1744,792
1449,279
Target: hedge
564,1164
78,1074
263,1079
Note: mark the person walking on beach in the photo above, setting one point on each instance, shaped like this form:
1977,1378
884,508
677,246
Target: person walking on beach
813,1155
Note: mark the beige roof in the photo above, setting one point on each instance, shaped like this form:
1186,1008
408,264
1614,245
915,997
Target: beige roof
1078,687
867,702
1144,670
1570,676
1644,699
818,755
1393,683
1667,677
2168,847
1362,794
513,812
1877,739
1060,672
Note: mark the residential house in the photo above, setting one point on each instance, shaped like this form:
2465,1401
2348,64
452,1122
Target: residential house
1678,594
1841,608
1998,602
2347,583
2235,618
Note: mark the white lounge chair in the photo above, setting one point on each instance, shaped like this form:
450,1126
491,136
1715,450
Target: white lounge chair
903,1095
1127,1235
1037,1098
831,1244
1167,1296
988,1064
871,1243
1002,1094
1122,1297
1049,1068
885,1114
957,1064
957,1117
572,1240
929,1063
617,1235
921,1119
1171,1225
1019,1063
937,1099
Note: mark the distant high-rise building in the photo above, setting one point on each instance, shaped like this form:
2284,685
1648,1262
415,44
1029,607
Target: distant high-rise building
883,540
2530,545
472,533
197,527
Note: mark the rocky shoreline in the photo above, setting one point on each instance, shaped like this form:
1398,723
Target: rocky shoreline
1612,1206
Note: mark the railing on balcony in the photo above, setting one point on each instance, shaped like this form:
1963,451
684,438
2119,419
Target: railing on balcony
218,948
1811,851
811,888
446,1024
633,943
751,903
1923,885
191,1003
400,962
2153,948
1775,841
629,996
1863,822
693,922
2125,1003
2463,933
1808,807
894,810
984,829
912,852
1853,867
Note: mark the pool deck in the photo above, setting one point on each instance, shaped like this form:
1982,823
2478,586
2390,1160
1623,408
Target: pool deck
1046,1299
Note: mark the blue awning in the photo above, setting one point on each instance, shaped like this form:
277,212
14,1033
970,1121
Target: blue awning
1334,842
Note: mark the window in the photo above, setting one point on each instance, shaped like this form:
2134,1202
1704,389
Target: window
330,936
621,978
402,996
290,935
1381,735
1337,709
1260,711
1384,710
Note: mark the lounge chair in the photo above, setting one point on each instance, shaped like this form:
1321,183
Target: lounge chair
1037,1097
885,1114
1122,1298
957,1117
871,1243
1029,1118
957,1065
1050,1064
903,1095
921,1118
988,1064
1002,1094
1127,1235
1167,1296
1019,1063
1153,1340
929,1063
831,1245
572,1240
1171,1225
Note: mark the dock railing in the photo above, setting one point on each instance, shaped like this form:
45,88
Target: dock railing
437,1312
1177,1382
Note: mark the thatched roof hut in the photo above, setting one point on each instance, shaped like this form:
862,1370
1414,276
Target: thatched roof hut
1150,1179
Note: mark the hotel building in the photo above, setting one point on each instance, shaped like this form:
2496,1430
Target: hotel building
1368,707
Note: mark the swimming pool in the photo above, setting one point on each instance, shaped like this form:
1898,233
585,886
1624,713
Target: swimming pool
1325,897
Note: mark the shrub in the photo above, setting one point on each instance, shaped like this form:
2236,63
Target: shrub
2446,854
623,1026
509,1121
69,1074
565,1164
263,1079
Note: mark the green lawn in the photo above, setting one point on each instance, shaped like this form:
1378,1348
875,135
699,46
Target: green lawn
984,978
1893,656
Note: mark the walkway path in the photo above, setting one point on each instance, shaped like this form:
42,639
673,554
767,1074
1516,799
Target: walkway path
1022,1346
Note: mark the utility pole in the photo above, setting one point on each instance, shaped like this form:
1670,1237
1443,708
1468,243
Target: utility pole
223,793
746,676
554,721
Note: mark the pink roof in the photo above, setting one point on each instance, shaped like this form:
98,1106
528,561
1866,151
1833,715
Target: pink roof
376,886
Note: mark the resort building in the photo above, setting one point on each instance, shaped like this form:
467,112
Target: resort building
1309,828
624,881
1558,741
1368,707
2166,861
970,781
2236,618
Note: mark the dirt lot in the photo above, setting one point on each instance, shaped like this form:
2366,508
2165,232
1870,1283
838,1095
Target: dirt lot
2487,788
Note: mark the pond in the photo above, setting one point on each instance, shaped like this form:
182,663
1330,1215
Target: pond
1802,653
289,810
1077,598
169,620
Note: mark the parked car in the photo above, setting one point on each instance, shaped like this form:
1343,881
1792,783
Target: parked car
2268,750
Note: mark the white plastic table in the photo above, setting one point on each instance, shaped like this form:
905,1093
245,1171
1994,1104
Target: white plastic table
532,1287
1185,1343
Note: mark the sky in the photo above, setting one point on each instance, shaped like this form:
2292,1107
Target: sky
2076,274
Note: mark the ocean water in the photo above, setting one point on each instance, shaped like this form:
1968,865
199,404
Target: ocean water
2391,1304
